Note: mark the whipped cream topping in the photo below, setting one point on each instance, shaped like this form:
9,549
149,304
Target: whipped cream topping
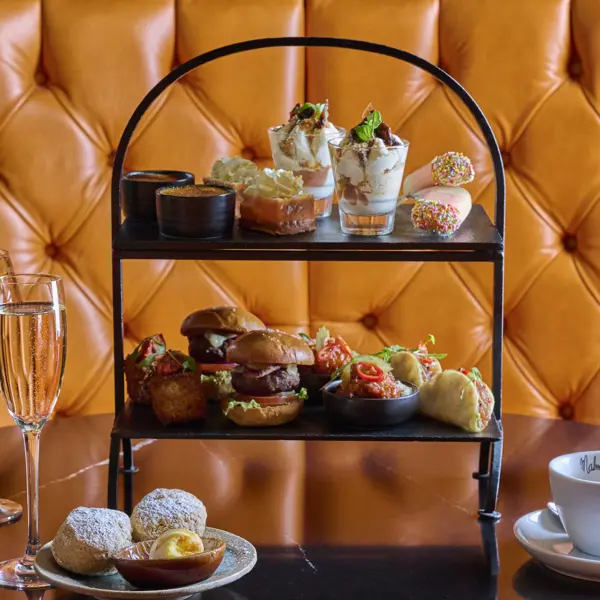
301,143
234,170
275,183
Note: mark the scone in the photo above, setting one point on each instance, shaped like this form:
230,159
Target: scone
89,537
165,509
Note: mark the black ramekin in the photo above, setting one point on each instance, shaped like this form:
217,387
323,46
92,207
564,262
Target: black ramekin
138,192
195,211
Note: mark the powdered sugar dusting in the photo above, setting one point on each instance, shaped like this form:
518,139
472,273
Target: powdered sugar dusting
165,509
89,537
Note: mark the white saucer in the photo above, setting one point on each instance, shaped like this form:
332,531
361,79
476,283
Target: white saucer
542,535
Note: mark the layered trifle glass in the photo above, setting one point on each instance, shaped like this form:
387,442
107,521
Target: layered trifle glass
368,166
300,146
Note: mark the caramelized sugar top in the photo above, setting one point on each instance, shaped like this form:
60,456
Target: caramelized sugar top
198,191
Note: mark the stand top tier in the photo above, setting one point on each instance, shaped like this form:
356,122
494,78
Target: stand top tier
476,240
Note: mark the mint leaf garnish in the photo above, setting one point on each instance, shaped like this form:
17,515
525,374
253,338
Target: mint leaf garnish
366,130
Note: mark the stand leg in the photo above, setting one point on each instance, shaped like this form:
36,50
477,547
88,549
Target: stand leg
489,482
128,471
482,474
113,472
490,547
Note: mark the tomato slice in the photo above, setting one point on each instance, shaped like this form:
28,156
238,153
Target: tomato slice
268,400
214,367
369,372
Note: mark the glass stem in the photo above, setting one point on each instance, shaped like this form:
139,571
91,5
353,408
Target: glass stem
32,466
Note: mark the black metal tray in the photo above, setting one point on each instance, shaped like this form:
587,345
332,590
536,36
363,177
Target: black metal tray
139,422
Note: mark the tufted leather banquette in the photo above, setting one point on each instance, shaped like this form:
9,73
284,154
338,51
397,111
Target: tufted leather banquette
72,72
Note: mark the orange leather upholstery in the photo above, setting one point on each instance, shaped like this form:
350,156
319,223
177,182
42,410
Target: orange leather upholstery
72,72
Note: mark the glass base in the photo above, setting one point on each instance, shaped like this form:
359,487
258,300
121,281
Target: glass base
323,207
367,224
16,576
10,512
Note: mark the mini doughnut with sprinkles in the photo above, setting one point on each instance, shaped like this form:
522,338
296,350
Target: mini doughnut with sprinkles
450,169
434,217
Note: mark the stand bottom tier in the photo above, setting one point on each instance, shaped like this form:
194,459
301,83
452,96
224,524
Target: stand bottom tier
139,422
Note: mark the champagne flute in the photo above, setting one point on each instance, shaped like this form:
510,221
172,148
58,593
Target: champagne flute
10,512
33,346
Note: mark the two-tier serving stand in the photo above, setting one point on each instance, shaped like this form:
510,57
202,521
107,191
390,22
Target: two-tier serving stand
478,240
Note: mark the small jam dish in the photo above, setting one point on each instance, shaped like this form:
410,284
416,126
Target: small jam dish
138,192
134,565
369,413
195,211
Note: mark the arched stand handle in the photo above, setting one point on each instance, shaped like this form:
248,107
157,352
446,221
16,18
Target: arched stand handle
313,42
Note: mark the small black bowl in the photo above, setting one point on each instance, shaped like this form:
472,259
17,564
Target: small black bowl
195,211
138,192
313,382
369,413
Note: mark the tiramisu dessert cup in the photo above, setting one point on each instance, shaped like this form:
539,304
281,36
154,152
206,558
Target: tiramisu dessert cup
368,166
300,146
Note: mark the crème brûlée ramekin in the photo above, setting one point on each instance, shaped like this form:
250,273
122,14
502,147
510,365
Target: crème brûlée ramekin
368,181
306,155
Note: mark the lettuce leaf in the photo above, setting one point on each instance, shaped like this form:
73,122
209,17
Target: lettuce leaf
245,405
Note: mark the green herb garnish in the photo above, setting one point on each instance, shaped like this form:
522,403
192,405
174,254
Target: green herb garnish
187,363
305,337
157,340
386,353
366,130
309,110
302,394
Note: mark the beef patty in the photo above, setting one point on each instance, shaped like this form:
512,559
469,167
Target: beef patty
249,382
201,350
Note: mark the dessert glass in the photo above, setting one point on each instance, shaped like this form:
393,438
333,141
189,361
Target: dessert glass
307,156
368,186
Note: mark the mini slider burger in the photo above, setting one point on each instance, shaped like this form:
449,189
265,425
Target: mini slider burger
266,378
209,332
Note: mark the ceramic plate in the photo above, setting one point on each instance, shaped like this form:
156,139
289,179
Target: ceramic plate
543,536
239,559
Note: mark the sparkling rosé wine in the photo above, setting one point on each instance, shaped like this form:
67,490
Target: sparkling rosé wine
32,359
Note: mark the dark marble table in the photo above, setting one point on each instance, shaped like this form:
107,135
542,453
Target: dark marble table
331,520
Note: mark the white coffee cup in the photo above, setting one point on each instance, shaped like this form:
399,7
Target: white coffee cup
575,483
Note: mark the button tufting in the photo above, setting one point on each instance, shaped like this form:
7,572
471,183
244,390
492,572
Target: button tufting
126,331
566,411
111,159
52,250
370,321
40,77
247,153
570,242
575,69
506,158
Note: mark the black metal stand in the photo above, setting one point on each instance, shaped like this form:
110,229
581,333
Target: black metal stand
478,240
